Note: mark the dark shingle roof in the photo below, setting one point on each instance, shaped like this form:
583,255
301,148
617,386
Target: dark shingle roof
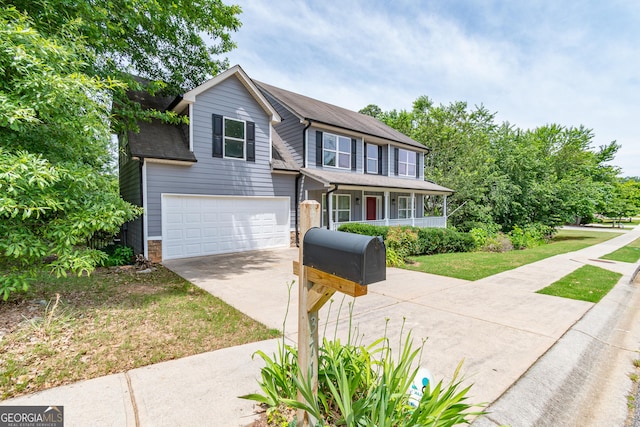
282,158
158,140
329,114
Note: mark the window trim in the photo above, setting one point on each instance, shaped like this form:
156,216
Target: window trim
334,211
225,137
377,159
408,163
408,210
337,151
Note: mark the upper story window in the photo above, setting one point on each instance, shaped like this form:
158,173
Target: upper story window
373,158
406,162
336,151
234,138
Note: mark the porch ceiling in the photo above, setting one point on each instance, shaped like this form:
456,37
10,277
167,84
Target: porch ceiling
379,182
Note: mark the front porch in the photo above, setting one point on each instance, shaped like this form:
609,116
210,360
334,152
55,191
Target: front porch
424,222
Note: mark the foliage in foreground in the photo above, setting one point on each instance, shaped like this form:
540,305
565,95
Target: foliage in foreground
55,188
588,283
361,386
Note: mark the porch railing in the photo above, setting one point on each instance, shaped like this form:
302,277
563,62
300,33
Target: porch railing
428,222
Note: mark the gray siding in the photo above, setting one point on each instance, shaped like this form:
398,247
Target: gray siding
290,130
131,191
212,175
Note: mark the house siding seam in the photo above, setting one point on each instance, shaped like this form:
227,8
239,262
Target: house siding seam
218,176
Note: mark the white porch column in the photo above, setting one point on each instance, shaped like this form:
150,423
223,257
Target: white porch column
330,213
387,208
444,210
413,209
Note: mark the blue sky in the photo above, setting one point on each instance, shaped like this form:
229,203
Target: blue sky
532,62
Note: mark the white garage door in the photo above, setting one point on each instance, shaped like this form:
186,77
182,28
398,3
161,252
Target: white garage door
206,225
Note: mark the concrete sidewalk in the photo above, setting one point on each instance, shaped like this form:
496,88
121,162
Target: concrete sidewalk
498,325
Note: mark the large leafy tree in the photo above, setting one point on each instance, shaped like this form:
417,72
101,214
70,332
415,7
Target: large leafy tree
173,45
54,139
509,176
66,68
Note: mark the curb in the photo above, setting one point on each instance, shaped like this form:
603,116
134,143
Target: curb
566,386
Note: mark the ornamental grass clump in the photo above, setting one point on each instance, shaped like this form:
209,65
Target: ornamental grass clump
362,385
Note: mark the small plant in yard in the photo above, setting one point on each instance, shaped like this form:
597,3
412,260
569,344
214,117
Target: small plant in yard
118,255
360,386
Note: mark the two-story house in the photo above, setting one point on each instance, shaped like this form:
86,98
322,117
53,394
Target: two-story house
232,180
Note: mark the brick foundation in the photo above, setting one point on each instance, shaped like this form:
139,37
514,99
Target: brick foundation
155,250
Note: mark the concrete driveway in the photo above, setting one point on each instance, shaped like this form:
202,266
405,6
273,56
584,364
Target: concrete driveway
498,327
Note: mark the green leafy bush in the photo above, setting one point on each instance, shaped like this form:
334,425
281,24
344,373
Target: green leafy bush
531,235
118,255
403,241
483,233
443,240
365,229
429,240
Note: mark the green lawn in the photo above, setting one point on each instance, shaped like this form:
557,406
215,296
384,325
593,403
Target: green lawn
588,283
629,253
477,265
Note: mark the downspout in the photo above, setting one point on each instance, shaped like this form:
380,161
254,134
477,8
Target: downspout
142,217
304,143
297,189
296,208
335,187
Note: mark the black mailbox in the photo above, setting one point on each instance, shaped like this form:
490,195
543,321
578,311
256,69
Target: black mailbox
360,259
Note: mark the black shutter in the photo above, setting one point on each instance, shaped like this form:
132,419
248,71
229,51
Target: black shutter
417,165
380,159
396,153
366,158
251,142
354,154
217,135
318,148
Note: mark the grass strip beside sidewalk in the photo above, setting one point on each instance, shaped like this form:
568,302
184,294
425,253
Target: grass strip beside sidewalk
588,283
629,253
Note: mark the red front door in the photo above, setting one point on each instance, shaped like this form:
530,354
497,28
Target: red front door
372,209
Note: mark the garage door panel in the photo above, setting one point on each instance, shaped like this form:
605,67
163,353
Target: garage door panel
204,225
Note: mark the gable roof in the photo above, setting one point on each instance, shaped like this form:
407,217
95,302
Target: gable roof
238,72
369,180
328,114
